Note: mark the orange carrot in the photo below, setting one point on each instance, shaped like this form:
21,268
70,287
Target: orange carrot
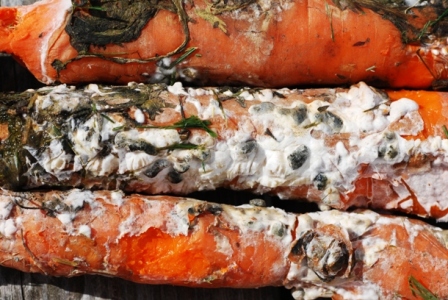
270,44
166,240
339,148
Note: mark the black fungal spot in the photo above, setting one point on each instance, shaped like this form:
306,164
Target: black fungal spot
388,149
299,114
263,108
299,247
105,151
156,167
326,259
329,118
214,208
333,121
248,146
55,206
174,177
340,259
143,146
329,260
279,230
298,157
320,181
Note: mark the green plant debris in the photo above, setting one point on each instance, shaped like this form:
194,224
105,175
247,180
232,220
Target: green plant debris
217,98
445,131
419,290
181,58
119,128
107,118
192,122
430,24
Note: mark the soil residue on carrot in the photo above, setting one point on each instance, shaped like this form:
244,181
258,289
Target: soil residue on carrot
99,22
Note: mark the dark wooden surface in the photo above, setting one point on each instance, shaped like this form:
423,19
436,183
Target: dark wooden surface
17,285
14,77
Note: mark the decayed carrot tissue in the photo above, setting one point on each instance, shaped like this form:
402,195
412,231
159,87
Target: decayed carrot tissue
290,102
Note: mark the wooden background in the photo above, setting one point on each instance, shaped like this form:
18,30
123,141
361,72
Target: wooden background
17,285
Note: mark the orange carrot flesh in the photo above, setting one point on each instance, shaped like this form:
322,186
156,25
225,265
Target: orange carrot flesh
274,50
433,109
7,21
8,18
161,256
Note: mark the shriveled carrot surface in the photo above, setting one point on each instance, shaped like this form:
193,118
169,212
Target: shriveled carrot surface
180,241
273,44
139,241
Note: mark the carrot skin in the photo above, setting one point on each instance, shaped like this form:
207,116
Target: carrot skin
168,240
270,51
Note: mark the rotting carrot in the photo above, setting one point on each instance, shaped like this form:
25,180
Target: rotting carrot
270,44
340,148
181,241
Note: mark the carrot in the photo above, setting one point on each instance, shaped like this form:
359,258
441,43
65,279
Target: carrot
144,239
167,240
269,44
339,148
